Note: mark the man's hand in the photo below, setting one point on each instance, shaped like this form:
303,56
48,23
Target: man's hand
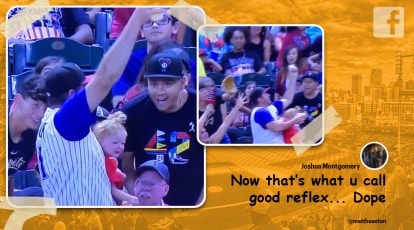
299,118
293,71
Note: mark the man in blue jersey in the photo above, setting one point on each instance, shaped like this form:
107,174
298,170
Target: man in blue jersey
266,126
71,161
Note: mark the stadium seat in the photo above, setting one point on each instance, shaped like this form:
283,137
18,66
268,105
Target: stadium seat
101,29
217,78
27,183
261,80
27,55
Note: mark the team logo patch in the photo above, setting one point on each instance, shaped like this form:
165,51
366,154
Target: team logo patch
164,62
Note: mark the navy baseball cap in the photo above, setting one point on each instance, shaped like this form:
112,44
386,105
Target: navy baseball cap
167,64
310,74
63,78
156,166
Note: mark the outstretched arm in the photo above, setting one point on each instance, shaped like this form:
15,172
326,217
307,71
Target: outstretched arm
221,131
290,91
114,61
280,125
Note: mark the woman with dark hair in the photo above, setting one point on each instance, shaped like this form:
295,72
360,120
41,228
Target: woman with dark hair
258,42
240,61
291,57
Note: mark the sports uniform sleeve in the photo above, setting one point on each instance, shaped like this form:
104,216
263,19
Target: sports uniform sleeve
262,117
130,74
74,119
279,106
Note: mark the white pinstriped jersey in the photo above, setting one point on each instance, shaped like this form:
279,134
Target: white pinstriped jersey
73,172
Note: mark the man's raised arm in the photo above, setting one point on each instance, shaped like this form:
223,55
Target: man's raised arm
114,61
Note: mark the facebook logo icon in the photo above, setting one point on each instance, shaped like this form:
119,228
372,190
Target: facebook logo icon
388,22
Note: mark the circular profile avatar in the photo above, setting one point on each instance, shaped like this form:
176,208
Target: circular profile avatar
374,155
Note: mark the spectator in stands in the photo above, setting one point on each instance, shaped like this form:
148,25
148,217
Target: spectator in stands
310,102
220,133
310,99
243,116
140,86
156,32
25,114
59,22
240,61
291,58
209,95
258,43
295,36
168,114
121,16
152,183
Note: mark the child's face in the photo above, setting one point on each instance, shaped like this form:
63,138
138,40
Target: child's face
249,89
113,145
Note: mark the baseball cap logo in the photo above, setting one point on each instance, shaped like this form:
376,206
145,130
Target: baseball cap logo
164,62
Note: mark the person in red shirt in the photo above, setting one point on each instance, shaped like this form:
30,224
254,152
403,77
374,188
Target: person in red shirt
112,134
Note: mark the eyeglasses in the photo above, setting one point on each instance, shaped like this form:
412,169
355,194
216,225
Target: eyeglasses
149,184
163,21
206,86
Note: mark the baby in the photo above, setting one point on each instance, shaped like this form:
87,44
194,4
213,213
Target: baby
112,134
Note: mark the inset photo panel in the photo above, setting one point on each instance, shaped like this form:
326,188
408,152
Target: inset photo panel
261,85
